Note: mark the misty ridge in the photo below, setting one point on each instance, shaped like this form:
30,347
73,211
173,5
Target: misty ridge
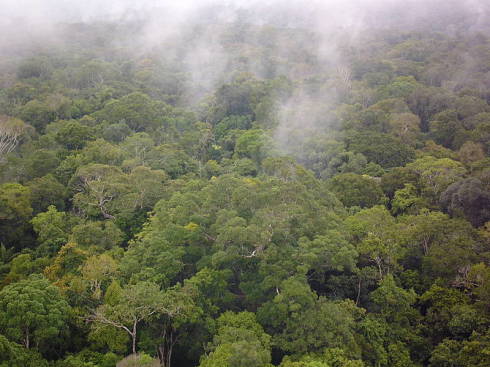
209,42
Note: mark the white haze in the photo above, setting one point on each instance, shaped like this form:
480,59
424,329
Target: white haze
336,24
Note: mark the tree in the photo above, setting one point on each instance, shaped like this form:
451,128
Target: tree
477,279
137,110
424,230
98,188
117,132
383,149
394,303
253,144
172,159
99,236
65,265
170,327
329,252
471,152
138,147
32,311
45,192
96,270
14,355
436,174
52,228
407,201
152,258
40,162
356,190
329,357
426,102
468,106
239,341
457,248
406,127
444,127
14,202
15,212
23,265
148,186
374,231
439,304
467,198
198,141
396,179
11,132
73,135
135,304
138,360
466,353
100,151
37,113
300,322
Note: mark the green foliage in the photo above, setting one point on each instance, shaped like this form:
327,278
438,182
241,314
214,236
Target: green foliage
101,235
52,228
329,358
436,175
138,360
172,160
137,110
37,114
73,135
14,202
356,190
46,191
301,322
239,341
14,355
382,149
15,211
467,198
33,312
406,201
253,144
136,303
234,197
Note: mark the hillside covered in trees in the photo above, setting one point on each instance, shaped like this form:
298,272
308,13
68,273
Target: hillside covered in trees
245,193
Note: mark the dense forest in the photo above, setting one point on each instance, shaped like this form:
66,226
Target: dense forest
246,193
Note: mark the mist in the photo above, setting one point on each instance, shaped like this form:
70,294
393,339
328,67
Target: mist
190,37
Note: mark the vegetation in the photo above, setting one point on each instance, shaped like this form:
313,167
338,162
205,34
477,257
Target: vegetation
293,214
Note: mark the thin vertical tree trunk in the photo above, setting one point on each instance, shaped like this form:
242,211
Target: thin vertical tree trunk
26,339
358,291
133,336
165,349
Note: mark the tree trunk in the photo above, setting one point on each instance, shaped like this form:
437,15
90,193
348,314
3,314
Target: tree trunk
165,349
358,291
26,339
379,262
133,336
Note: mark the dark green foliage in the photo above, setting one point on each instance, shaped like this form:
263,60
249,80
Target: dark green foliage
468,198
46,191
382,149
73,135
137,110
356,190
